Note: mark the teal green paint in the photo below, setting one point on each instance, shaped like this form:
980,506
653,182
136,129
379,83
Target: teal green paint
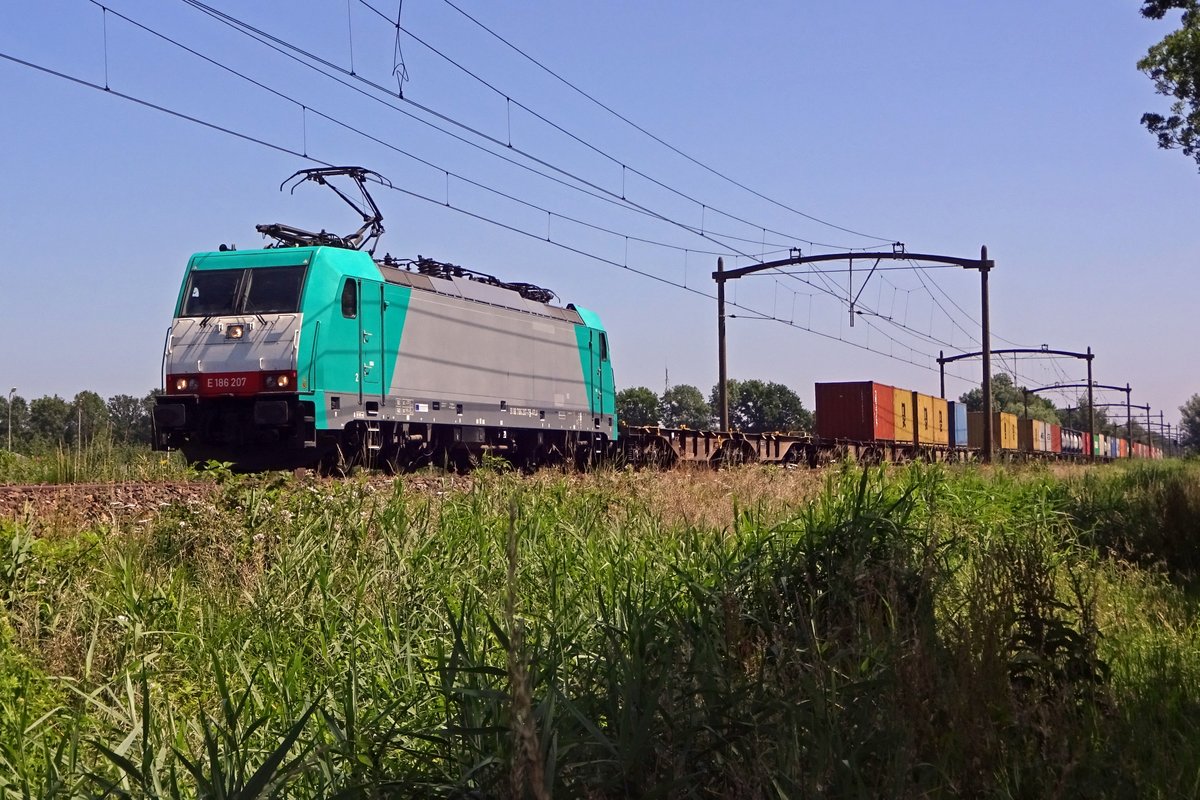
395,312
324,330
587,338
583,339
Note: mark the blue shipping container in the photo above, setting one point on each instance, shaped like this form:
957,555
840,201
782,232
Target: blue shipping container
958,429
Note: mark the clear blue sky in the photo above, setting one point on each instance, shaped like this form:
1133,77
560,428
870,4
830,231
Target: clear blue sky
945,125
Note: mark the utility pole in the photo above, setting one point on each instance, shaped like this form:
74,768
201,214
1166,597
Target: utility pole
941,355
11,392
1129,417
1091,408
722,368
985,267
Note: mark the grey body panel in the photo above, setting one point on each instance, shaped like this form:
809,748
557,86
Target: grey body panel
270,343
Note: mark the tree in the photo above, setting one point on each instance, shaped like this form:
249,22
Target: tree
20,422
1189,425
637,406
759,407
685,407
1173,64
130,417
48,421
1010,398
89,418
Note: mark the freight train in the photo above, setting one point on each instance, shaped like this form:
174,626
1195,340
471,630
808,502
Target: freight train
311,352
872,422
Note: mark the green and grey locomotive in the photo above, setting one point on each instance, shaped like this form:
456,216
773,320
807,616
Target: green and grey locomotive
313,352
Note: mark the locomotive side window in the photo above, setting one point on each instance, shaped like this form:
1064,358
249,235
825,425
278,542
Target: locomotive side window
350,299
274,290
212,292
603,346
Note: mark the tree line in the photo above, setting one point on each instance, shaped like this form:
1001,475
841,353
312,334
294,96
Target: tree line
755,406
51,422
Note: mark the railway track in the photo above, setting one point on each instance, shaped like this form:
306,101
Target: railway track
95,502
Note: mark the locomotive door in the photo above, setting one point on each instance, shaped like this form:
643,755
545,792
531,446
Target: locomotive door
599,354
370,337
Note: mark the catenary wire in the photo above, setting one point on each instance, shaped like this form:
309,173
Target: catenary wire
579,251
259,35
658,139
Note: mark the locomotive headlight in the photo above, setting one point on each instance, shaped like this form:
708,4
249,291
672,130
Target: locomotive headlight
181,384
193,384
270,381
282,381
235,331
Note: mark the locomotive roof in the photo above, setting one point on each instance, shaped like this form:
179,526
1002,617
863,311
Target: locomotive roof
461,287
468,289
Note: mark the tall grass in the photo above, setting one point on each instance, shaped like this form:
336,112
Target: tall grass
902,633
100,461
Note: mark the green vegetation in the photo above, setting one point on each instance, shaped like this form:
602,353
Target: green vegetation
50,423
754,407
1173,64
916,632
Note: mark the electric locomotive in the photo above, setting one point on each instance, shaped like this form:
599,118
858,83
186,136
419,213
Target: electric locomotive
312,352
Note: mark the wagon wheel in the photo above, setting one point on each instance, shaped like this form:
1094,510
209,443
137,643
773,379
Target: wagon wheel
734,453
659,454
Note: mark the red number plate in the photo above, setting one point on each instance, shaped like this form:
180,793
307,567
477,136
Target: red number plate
230,383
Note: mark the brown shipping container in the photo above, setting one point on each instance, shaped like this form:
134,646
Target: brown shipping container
1025,442
858,410
941,421
1004,430
903,414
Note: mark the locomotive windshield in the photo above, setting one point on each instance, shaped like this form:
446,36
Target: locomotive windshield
225,292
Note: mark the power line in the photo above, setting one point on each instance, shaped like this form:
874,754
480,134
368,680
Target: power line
656,138
255,33
474,215
259,35
425,162
505,195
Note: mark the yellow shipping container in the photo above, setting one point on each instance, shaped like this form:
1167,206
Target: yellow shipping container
905,414
1004,430
941,421
930,420
925,421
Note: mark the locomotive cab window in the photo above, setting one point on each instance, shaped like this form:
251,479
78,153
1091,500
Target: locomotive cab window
226,292
603,346
274,290
211,292
350,299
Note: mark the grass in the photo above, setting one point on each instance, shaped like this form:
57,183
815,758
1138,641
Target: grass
102,461
916,632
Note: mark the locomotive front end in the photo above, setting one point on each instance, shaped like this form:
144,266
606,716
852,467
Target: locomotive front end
231,366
